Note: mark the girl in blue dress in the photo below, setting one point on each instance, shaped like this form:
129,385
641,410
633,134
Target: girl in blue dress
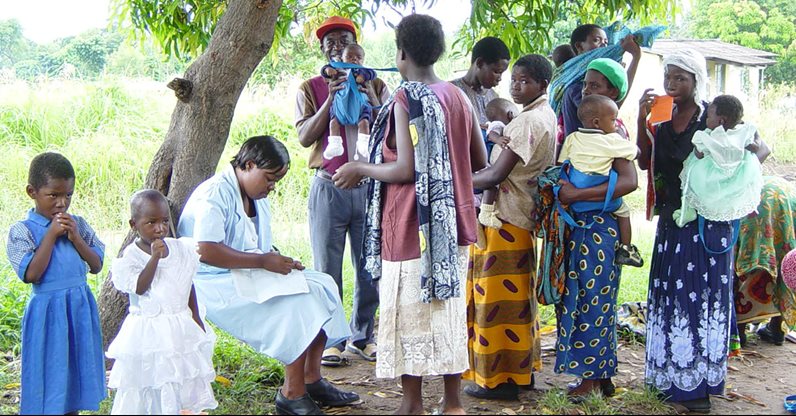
63,369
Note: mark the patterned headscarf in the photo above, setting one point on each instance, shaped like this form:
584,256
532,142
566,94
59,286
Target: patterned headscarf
693,62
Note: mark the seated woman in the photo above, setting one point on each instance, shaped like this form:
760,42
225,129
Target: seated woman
230,218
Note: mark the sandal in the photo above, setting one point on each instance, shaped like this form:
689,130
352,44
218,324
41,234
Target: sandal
577,394
790,404
368,353
332,357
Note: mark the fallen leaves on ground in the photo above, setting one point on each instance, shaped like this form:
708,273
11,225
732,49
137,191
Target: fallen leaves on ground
735,395
223,381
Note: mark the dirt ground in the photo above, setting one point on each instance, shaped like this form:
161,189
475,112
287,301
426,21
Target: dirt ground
776,168
757,384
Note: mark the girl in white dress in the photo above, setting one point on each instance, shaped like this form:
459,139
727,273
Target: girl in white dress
163,351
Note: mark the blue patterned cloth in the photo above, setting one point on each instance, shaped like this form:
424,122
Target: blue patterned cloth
436,208
690,311
63,367
586,344
574,70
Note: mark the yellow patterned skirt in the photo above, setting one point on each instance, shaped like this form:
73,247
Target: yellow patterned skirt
502,320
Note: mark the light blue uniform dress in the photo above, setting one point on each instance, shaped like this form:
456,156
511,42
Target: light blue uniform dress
63,368
281,327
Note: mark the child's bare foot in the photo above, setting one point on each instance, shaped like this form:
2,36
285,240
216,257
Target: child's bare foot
410,409
453,411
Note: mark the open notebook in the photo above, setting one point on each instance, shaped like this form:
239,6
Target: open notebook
258,285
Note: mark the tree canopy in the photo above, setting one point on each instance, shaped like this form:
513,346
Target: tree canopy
184,27
769,25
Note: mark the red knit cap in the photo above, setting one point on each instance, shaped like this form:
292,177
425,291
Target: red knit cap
335,23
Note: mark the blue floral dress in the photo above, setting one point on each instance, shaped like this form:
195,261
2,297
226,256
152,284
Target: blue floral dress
689,298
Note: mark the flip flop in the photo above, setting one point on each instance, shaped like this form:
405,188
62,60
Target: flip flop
368,353
790,404
333,357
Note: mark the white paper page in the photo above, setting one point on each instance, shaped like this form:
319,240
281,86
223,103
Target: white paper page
260,285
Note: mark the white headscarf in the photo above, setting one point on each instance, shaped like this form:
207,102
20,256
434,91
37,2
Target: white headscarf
693,62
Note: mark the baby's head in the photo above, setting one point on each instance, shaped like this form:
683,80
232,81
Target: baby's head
150,215
354,54
726,111
501,109
598,112
562,53
51,183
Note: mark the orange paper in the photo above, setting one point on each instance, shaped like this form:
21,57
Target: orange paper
661,110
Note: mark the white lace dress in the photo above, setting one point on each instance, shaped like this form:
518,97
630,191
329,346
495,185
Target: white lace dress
163,358
725,184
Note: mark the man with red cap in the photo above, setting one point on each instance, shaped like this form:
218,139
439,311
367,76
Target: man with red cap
334,211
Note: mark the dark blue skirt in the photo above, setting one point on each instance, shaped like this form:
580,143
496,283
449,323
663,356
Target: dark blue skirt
689,300
586,345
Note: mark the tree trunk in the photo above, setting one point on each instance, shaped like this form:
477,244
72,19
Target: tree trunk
200,124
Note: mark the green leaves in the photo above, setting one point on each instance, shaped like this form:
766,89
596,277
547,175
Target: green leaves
183,27
769,25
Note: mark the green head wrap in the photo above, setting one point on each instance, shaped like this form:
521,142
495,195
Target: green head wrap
612,71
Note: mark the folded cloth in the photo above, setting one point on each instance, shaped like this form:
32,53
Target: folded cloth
575,69
633,316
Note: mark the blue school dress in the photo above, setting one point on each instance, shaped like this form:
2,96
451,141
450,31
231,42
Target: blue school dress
63,368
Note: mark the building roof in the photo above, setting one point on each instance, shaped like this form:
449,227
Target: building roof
715,50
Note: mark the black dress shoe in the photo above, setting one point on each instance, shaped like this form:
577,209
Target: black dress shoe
768,335
504,391
325,394
301,406
697,405
608,387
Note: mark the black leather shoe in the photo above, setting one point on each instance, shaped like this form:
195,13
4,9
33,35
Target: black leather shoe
301,406
325,394
608,387
768,335
697,405
504,391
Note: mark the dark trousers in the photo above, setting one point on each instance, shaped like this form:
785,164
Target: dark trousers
333,213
